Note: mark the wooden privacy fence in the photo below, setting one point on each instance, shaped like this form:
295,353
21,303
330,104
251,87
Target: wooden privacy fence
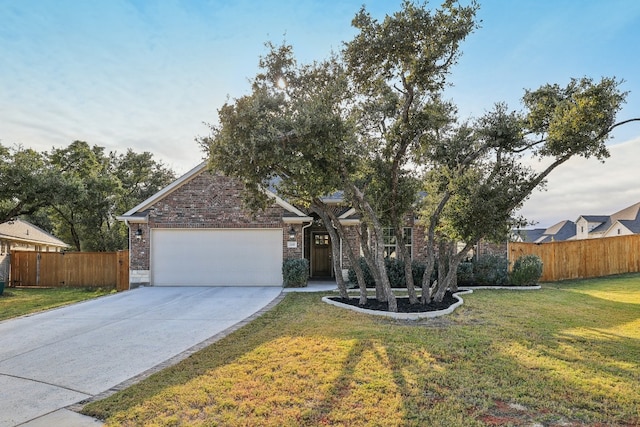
578,259
73,269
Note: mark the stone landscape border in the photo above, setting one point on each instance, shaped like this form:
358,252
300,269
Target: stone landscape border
427,314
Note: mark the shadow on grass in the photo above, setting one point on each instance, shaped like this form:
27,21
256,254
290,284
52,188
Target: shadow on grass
563,356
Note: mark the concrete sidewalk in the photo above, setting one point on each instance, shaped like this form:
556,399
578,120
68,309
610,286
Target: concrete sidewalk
51,360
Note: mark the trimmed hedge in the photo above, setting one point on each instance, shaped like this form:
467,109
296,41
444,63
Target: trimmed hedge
491,270
488,270
395,272
295,272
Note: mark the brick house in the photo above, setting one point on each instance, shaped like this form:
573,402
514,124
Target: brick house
196,232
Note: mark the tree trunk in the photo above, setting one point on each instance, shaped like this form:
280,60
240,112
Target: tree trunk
453,271
369,257
353,259
403,255
335,248
426,277
366,209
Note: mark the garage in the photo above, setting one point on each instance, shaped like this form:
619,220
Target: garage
216,257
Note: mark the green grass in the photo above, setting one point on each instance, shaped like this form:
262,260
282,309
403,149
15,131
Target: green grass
19,302
568,354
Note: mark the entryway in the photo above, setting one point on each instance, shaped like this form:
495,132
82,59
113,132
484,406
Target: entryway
321,266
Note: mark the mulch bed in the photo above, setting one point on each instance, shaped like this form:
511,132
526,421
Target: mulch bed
403,304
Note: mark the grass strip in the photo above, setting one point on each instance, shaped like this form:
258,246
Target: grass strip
16,302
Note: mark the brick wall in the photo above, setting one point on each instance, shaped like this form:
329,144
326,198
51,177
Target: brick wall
206,201
210,201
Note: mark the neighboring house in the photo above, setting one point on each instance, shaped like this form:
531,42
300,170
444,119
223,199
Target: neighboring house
621,223
196,232
564,230
21,235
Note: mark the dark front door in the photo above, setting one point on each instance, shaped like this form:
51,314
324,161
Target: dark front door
321,256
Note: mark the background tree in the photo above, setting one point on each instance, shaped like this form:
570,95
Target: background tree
28,182
76,192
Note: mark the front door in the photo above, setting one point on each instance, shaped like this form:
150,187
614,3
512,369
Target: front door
321,256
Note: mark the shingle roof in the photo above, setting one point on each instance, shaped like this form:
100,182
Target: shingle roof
564,230
530,236
631,213
632,225
23,231
595,218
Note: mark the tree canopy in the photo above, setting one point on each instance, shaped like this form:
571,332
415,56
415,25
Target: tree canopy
371,121
76,192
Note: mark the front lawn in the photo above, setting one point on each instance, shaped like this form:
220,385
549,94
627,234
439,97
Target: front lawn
566,355
18,302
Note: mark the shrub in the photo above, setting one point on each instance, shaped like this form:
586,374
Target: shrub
295,272
491,270
418,269
526,271
465,273
368,278
395,272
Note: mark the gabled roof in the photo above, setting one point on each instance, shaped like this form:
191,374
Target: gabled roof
529,236
630,214
564,230
138,213
633,226
18,230
594,218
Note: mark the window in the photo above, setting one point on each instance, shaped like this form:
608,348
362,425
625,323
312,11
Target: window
390,242
321,240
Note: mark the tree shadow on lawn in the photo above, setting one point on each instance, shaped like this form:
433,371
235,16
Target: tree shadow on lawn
532,354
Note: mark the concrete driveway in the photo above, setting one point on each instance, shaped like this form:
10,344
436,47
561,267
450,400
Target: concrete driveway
54,359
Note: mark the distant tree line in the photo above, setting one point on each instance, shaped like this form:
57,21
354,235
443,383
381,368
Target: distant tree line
76,192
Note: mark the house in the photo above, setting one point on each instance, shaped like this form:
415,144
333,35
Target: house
17,234
196,232
564,230
621,223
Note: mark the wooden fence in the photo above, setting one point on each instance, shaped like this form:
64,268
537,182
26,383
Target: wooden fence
578,259
73,269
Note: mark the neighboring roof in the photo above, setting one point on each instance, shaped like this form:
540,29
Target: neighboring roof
633,226
630,214
18,230
564,230
138,214
529,236
594,218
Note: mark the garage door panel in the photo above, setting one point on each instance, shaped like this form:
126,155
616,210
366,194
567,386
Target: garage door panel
216,257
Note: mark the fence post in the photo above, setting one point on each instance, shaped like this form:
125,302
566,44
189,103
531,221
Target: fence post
122,268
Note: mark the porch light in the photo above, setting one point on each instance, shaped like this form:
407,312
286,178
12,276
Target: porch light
292,234
139,233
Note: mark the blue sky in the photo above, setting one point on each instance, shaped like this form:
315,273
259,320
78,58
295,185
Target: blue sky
146,74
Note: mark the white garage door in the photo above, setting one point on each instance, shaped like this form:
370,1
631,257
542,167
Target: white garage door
218,257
